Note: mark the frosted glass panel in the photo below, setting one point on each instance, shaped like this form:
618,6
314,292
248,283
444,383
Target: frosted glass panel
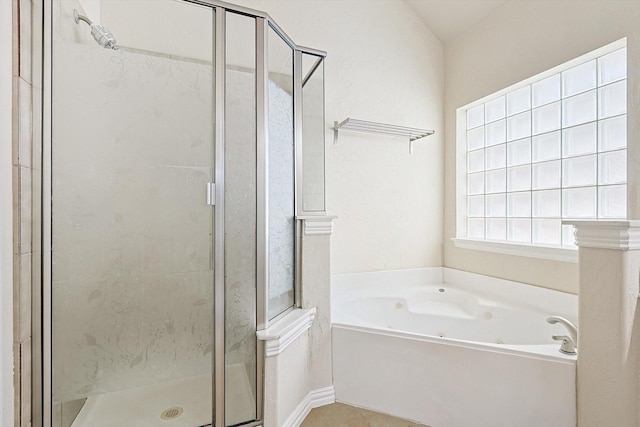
546,91
475,116
547,118
546,175
579,140
579,202
612,67
519,204
496,157
495,109
475,183
519,230
546,146
496,228
613,201
475,228
281,177
519,152
519,101
519,126
579,171
546,231
579,109
579,79
496,205
475,206
546,204
612,100
612,167
612,133
475,161
475,138
495,133
496,181
519,178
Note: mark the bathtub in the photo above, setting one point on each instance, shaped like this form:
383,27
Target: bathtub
448,348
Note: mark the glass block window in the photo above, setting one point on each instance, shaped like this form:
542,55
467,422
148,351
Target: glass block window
552,149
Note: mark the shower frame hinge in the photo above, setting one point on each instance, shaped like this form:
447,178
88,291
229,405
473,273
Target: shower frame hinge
211,193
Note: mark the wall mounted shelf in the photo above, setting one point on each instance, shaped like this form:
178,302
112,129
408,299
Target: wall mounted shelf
356,125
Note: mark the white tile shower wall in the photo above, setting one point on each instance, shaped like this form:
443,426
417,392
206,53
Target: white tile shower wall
169,26
385,65
514,42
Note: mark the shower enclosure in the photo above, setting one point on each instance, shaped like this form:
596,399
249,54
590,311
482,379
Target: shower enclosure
175,164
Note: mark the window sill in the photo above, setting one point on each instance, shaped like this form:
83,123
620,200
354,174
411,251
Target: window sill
282,333
553,253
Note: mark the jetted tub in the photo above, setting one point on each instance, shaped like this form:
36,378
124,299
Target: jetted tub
452,349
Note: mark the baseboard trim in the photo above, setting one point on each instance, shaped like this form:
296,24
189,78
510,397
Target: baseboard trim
315,399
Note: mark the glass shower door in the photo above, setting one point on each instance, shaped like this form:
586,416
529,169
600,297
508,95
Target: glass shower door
132,233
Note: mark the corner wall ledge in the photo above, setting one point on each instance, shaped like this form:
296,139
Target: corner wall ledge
282,333
616,234
317,225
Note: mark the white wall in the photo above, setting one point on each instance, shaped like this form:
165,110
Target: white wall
384,65
6,215
517,41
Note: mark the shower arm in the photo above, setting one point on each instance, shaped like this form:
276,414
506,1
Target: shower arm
79,17
100,34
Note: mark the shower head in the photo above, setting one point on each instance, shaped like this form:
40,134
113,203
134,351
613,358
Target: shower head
99,33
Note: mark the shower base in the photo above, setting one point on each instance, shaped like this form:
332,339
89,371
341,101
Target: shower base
184,403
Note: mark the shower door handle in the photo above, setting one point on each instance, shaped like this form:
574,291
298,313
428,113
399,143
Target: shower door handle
211,193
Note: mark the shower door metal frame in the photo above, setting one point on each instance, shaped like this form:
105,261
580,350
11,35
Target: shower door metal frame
42,321
218,377
41,310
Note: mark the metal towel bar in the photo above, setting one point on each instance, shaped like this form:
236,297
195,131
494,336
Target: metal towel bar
381,128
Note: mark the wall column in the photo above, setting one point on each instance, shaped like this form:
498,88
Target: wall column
298,374
609,329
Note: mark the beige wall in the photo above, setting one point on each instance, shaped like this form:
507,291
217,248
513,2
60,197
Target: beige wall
25,96
517,41
6,207
384,65
304,367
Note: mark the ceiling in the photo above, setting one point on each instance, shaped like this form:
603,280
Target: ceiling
448,18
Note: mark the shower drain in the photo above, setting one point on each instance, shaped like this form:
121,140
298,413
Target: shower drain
171,413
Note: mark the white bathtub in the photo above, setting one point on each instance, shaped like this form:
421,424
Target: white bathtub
452,349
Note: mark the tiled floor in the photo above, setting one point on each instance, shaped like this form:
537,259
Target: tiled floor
341,415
